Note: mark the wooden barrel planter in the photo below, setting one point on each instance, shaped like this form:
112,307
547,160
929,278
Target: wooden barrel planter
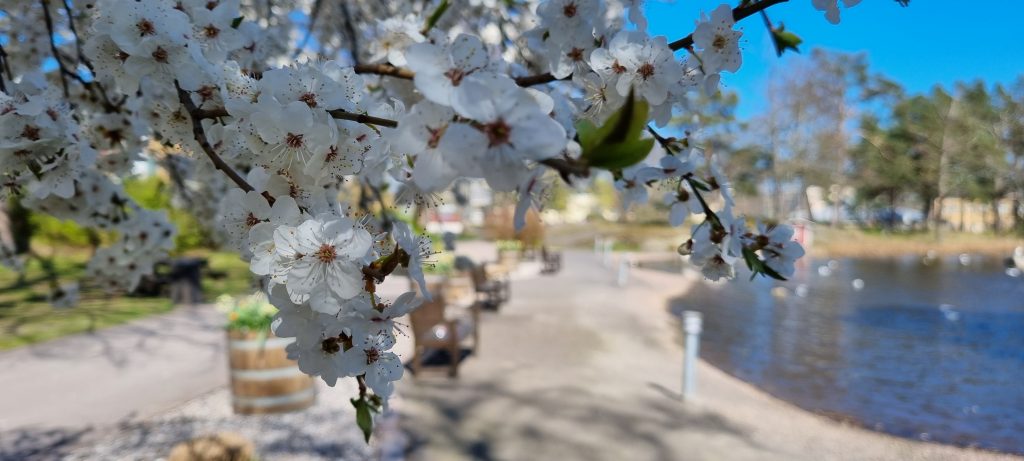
508,258
263,378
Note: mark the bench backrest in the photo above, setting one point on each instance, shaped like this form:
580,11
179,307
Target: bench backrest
429,314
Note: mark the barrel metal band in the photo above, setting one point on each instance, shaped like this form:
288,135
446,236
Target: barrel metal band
258,344
267,375
263,402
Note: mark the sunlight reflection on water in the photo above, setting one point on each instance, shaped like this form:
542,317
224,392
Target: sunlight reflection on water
926,349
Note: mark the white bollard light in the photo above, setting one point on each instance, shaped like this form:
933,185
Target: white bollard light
692,326
607,260
624,264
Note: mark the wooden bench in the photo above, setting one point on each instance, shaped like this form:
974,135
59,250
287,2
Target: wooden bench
435,326
552,261
491,291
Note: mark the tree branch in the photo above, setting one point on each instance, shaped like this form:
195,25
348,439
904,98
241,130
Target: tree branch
567,167
53,48
739,13
384,69
363,118
339,114
199,134
350,30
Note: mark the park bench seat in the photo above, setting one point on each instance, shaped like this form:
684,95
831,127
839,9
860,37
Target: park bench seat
436,326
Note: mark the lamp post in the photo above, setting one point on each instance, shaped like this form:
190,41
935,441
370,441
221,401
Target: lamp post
692,326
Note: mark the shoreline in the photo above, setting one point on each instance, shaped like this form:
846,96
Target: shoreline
843,426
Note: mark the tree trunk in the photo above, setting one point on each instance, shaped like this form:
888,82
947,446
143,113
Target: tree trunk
1016,214
21,226
997,222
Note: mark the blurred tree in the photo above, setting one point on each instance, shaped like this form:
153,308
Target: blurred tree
1009,102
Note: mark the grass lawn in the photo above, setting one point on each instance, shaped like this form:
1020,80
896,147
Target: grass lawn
836,243
828,242
26,317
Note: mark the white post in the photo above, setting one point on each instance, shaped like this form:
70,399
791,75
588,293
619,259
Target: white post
692,321
624,264
607,259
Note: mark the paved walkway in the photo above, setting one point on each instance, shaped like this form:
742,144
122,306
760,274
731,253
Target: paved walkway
58,393
577,368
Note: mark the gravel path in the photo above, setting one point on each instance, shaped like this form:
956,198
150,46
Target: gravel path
325,431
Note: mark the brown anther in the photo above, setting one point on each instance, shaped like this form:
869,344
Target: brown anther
646,70
332,154
435,136
206,92
372,355
30,132
498,133
720,42
293,140
145,27
211,31
252,220
160,54
326,253
618,68
309,99
576,54
569,10
455,75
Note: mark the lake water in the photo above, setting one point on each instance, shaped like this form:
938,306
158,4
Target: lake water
925,350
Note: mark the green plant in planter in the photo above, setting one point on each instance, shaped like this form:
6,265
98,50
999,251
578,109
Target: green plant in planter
509,245
443,265
249,313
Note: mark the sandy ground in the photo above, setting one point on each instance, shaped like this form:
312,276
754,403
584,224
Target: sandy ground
578,368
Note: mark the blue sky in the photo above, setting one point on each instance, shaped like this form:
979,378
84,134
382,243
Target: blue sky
930,42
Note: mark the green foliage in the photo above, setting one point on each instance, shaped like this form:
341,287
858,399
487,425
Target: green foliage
154,194
443,264
366,406
150,193
26,316
758,267
509,245
617,143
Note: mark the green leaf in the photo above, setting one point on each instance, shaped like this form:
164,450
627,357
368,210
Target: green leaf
235,22
436,16
626,123
616,144
587,132
785,40
757,266
621,155
363,417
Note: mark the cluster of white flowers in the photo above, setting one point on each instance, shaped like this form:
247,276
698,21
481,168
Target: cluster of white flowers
268,142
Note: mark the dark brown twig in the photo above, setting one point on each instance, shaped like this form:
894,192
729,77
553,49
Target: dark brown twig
567,167
339,114
384,69
53,47
200,136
